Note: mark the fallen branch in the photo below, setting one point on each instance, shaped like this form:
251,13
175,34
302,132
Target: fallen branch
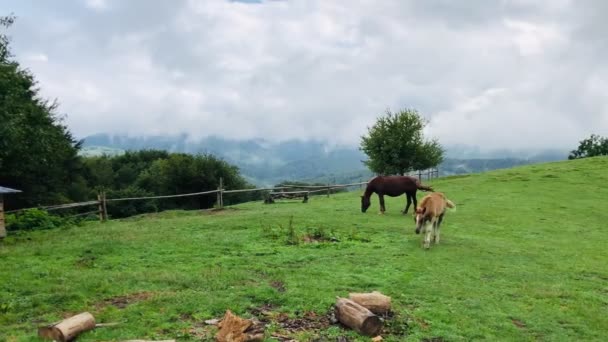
101,325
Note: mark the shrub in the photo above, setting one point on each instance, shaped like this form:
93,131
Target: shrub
130,208
34,219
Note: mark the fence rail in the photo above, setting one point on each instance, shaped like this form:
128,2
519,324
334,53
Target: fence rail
163,196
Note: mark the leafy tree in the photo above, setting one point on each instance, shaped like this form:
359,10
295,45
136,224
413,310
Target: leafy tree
395,144
38,154
590,147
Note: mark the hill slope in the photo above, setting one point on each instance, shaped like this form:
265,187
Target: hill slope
522,258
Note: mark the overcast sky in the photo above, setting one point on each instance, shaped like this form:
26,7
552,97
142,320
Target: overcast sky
488,73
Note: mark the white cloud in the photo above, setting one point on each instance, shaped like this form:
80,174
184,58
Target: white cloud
97,5
533,39
37,58
518,73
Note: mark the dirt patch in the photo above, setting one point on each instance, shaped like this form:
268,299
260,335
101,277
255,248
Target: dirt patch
310,321
278,285
518,323
287,326
122,302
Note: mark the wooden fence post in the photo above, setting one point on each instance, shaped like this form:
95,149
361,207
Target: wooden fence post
220,193
328,189
100,207
105,207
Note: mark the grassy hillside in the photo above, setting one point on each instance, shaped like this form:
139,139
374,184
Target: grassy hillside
522,258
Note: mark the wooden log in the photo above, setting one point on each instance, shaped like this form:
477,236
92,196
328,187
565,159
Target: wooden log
357,317
69,328
375,301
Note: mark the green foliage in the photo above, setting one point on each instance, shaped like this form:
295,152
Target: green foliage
5,22
152,172
395,144
129,208
38,154
590,147
33,219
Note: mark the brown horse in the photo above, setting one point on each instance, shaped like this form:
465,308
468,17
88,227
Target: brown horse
392,186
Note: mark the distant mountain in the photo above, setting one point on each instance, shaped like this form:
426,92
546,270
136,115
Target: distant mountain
264,163
96,151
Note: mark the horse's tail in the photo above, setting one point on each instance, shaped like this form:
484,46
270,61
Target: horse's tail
450,204
424,187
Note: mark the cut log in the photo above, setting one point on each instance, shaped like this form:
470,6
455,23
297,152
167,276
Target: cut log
357,317
69,328
375,301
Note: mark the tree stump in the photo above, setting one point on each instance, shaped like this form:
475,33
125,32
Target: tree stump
236,329
375,301
357,317
69,328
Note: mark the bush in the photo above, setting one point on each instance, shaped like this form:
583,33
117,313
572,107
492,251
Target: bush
33,219
129,208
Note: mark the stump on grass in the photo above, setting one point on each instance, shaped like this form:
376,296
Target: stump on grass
357,317
236,329
375,301
69,328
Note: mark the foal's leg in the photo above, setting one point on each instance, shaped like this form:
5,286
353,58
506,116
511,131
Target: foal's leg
437,230
382,209
428,228
409,202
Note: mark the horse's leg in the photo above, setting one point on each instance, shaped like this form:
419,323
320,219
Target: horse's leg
437,230
409,202
413,194
428,230
382,209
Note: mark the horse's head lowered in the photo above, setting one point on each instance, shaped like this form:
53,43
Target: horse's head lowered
420,218
365,203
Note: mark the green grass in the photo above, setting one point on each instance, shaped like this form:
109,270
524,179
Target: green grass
522,258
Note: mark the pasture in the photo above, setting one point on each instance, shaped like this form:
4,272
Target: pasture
522,258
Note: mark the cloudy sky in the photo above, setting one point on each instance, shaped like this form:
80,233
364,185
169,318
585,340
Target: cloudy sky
509,73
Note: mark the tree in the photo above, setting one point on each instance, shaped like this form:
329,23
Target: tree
38,154
395,144
590,147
